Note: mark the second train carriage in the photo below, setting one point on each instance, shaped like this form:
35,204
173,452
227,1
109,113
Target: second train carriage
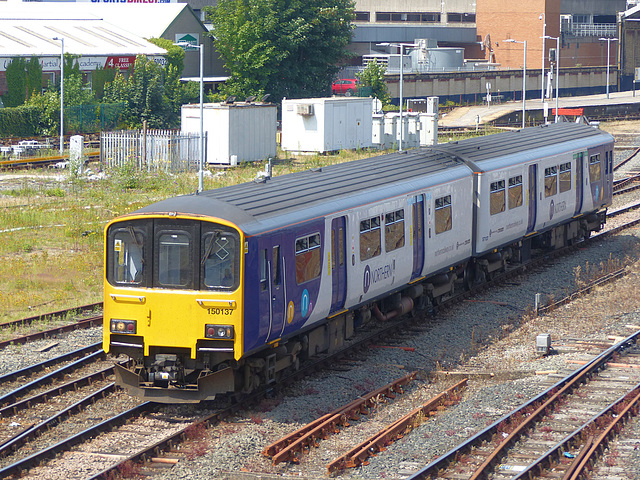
220,291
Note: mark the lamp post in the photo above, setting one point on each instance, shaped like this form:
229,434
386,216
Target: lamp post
201,159
401,48
557,39
543,17
609,40
524,78
61,39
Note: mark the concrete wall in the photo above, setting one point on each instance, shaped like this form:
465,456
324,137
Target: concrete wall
593,7
461,87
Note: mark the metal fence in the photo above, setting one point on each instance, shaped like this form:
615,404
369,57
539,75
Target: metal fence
93,118
152,150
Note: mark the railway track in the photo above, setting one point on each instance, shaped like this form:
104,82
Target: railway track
574,414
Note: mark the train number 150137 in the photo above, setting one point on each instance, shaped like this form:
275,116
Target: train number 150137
219,311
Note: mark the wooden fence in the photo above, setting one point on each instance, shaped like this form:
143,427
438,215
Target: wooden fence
152,150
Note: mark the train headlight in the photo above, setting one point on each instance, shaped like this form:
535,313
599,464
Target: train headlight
218,331
123,326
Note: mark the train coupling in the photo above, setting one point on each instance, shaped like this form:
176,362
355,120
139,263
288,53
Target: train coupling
160,389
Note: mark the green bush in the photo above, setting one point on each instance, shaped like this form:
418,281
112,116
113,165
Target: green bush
21,121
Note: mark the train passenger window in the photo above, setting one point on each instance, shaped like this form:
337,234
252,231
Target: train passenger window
308,258
341,246
550,181
219,259
565,177
276,265
263,270
443,214
594,167
497,198
128,253
394,230
515,191
370,245
174,265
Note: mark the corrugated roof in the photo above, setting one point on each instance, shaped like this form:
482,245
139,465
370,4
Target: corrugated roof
27,29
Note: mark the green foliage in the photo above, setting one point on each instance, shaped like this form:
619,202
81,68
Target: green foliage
75,93
48,106
175,54
34,77
17,87
373,76
23,121
287,49
99,78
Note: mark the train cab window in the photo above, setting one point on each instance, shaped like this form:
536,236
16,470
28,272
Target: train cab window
565,177
594,168
126,253
308,258
219,259
443,214
515,191
497,200
370,245
174,260
394,230
550,181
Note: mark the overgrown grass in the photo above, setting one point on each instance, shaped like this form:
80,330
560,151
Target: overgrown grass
51,225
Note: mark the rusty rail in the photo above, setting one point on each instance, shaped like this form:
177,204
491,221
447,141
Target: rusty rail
377,443
297,442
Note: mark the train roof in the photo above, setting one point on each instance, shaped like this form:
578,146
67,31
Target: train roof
261,206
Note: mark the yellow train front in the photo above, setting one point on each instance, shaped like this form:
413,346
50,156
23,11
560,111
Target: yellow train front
173,304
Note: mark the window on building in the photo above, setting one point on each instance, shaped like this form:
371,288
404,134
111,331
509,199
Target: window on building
443,214
370,238
550,181
394,230
363,16
515,191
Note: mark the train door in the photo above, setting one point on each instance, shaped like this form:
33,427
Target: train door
417,213
532,197
338,263
579,158
272,291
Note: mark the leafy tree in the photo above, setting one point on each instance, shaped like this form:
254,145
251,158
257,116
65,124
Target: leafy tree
99,78
24,78
282,47
75,92
175,54
373,76
48,103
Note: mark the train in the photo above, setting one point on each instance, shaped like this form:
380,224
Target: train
224,291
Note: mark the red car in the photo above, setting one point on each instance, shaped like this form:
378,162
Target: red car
344,86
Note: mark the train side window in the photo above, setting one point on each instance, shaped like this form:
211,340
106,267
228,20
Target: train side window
276,265
308,258
497,199
127,254
341,246
515,191
219,259
565,177
550,181
594,167
443,214
370,244
394,230
263,270
174,259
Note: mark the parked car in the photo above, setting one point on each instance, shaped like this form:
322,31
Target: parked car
344,86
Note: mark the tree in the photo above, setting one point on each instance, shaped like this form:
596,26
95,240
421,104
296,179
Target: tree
24,78
287,48
373,76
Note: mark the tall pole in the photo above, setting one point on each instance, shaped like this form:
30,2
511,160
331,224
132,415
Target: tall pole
557,73
61,93
609,40
401,83
544,44
524,85
201,166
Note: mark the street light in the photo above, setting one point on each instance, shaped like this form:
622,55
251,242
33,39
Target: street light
609,40
201,159
401,48
524,76
557,39
61,39
543,17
